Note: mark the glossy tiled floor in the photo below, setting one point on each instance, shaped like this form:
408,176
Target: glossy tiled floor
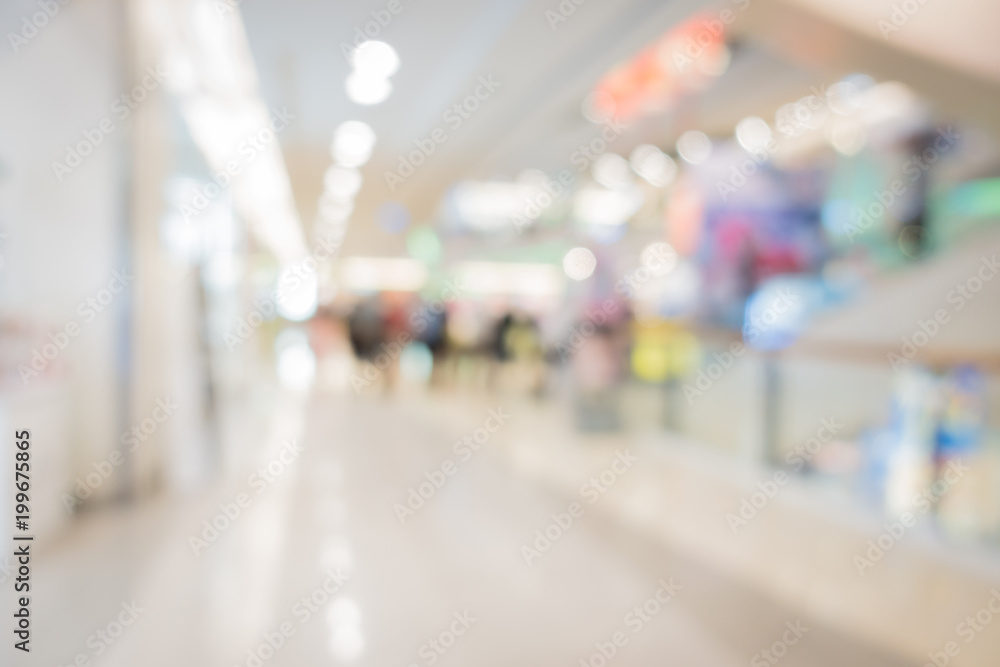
450,586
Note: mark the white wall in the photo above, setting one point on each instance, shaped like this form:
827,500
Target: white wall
65,238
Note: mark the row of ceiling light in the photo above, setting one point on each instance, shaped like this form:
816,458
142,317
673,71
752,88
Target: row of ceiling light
372,65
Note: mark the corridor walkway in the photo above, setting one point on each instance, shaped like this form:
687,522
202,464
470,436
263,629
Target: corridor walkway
313,560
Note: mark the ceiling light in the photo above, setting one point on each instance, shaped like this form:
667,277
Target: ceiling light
495,205
753,134
579,263
612,171
511,278
366,274
352,143
367,90
375,59
341,183
597,206
694,146
653,165
298,302
846,135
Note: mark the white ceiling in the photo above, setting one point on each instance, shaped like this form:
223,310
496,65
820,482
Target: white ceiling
959,33
533,120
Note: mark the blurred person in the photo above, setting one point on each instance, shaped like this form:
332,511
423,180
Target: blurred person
371,344
430,328
396,332
498,350
524,348
366,329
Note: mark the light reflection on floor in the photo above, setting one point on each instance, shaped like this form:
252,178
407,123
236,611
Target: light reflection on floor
317,568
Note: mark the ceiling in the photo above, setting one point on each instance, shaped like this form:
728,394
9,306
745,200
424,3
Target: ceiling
544,70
